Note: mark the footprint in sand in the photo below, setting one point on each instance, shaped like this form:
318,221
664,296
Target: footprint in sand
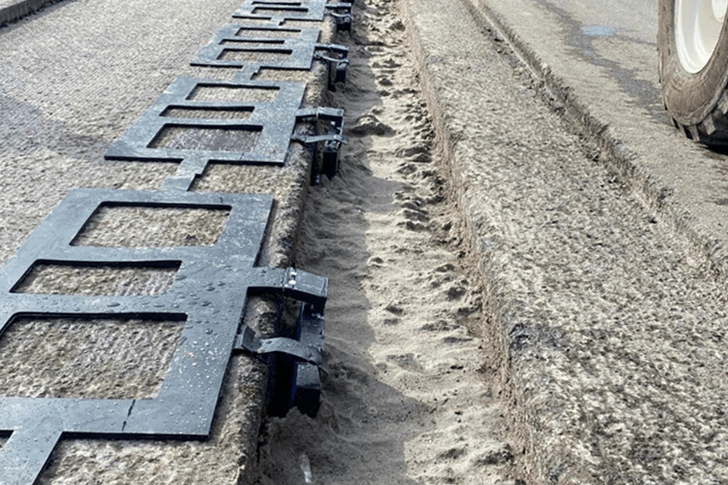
369,124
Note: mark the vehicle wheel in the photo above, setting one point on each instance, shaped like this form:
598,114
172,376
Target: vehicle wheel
693,54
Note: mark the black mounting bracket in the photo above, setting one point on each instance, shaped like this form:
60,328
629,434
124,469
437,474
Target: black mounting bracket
332,120
250,342
296,360
343,20
337,66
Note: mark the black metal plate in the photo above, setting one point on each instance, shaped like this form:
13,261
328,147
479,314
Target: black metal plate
275,121
310,10
283,11
299,48
209,291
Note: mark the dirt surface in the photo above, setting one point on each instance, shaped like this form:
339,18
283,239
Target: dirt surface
600,63
615,320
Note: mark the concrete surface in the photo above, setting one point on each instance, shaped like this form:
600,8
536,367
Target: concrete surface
609,320
63,103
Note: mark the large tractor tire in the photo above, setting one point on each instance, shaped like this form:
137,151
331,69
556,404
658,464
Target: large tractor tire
693,50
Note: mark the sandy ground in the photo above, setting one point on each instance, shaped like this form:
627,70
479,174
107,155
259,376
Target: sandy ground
411,395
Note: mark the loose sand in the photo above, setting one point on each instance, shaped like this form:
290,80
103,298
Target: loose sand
411,395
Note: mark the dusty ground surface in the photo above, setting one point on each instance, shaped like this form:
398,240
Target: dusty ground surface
601,63
616,321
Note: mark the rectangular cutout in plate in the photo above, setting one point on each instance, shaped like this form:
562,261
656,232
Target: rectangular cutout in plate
277,2
219,139
122,279
312,10
212,93
242,42
250,55
273,33
225,177
280,12
138,226
193,112
100,358
262,21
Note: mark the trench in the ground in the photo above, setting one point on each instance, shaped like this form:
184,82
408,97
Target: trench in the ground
411,393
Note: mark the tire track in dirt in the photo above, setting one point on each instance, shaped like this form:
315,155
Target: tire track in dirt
411,396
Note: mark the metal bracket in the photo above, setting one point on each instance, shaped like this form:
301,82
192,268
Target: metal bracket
250,342
209,294
337,66
290,362
297,361
343,20
333,121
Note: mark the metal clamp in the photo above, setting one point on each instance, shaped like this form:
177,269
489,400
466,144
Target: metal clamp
294,362
337,66
332,120
343,20
250,342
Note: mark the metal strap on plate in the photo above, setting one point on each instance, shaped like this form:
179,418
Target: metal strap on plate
331,121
